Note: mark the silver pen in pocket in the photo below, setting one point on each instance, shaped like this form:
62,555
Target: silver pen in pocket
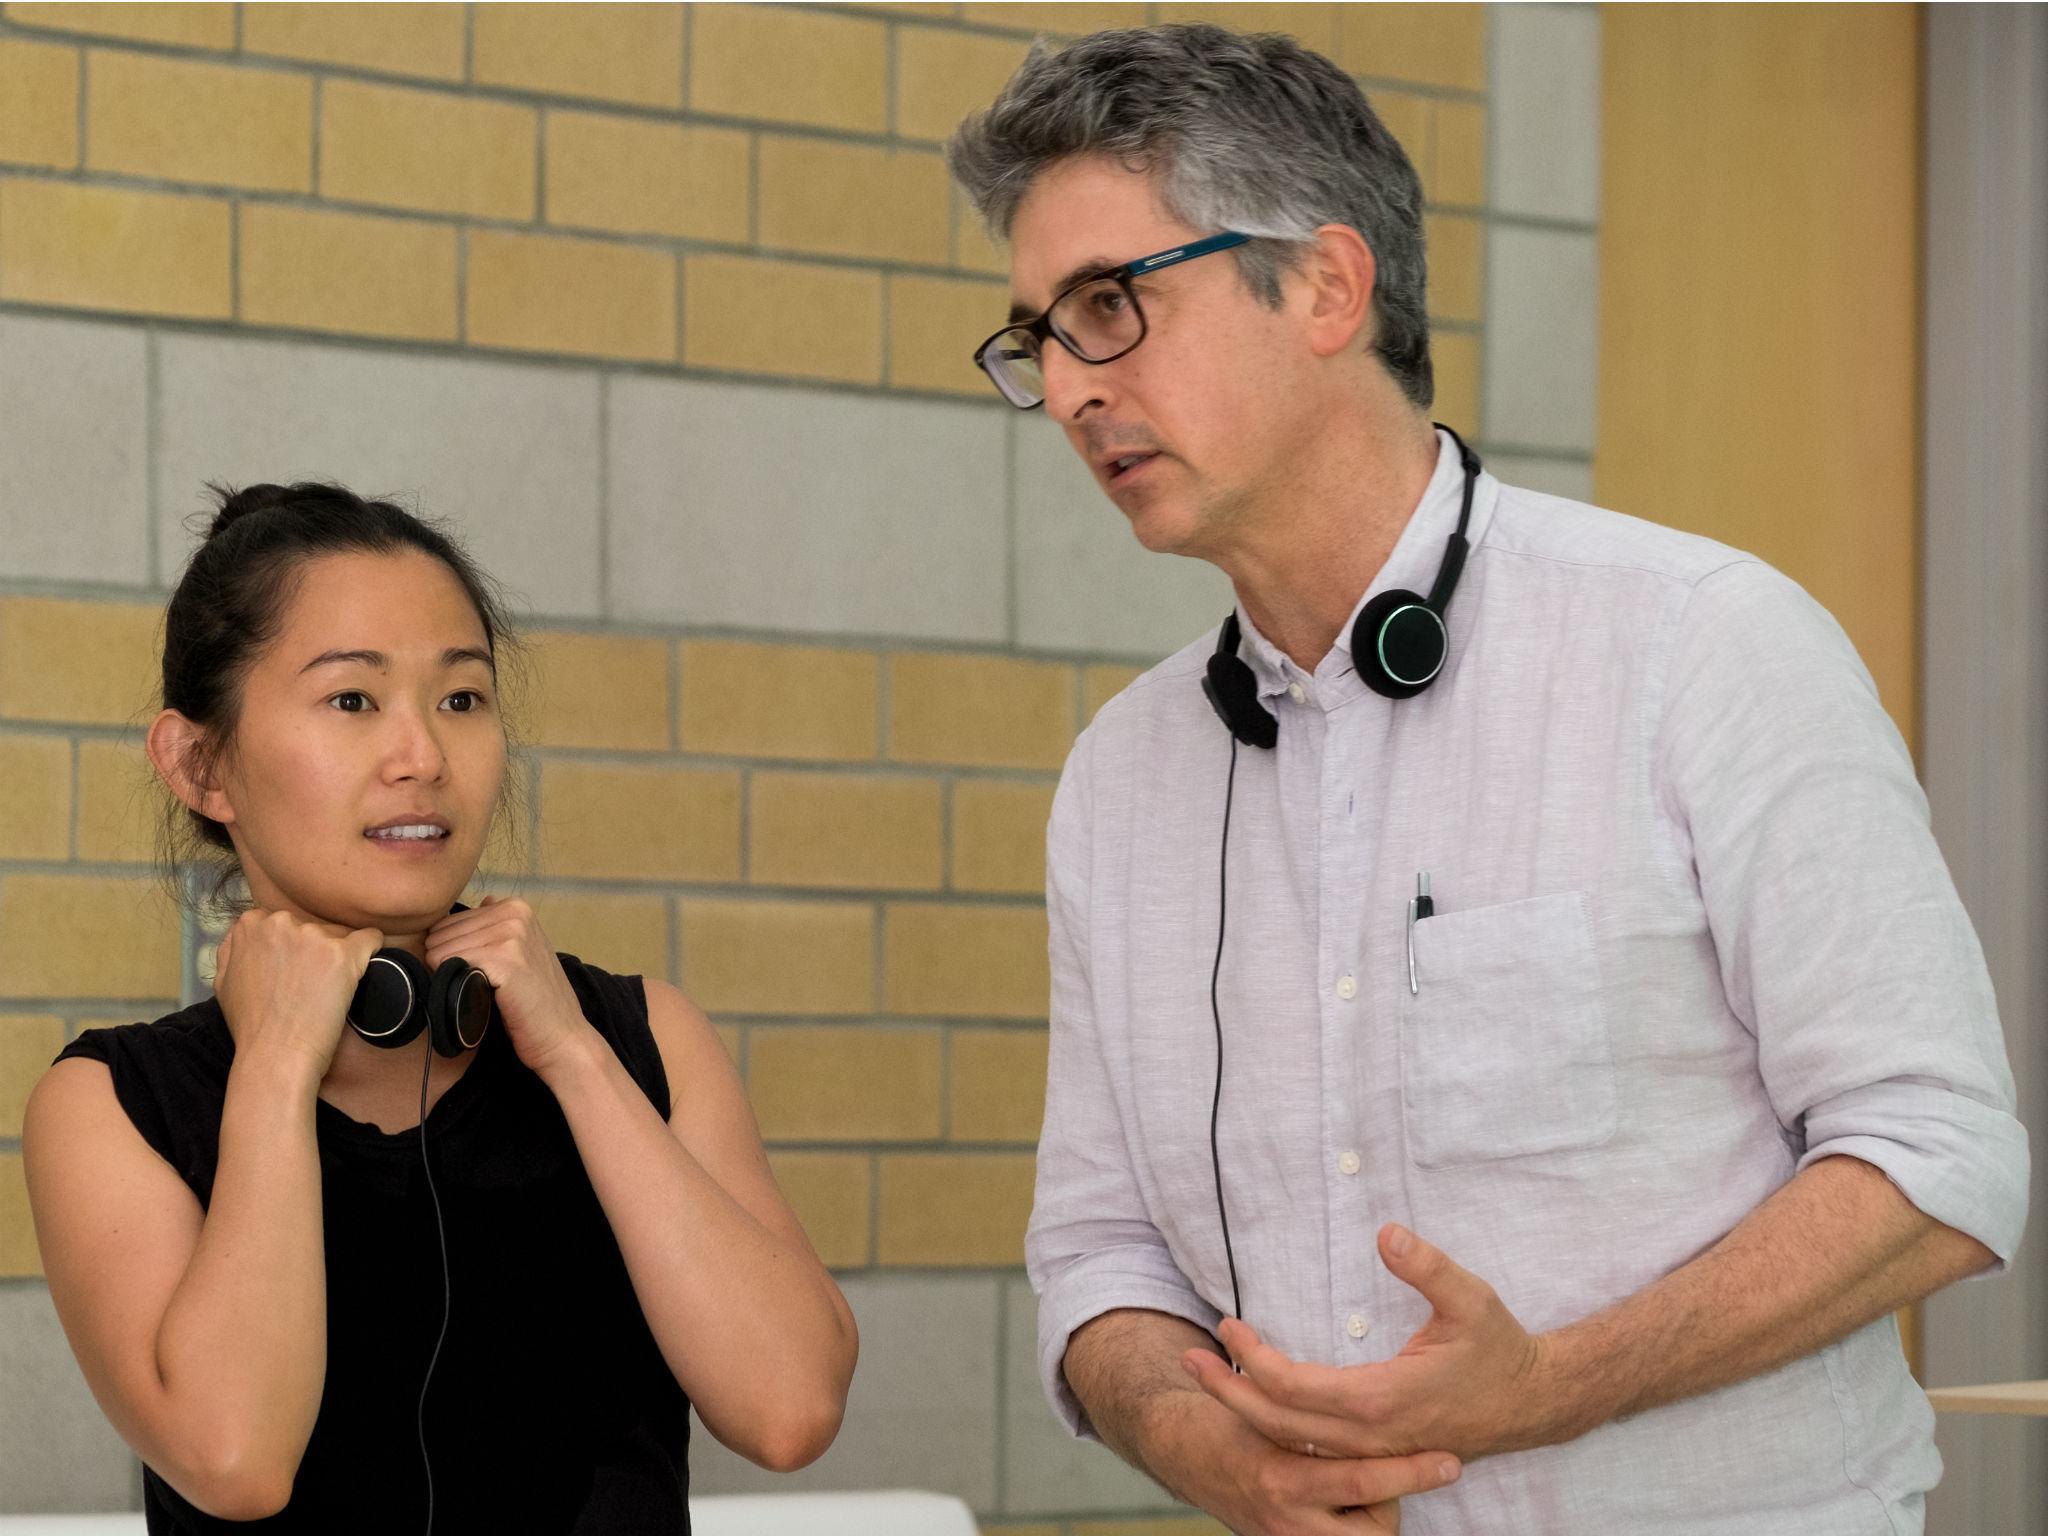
1419,907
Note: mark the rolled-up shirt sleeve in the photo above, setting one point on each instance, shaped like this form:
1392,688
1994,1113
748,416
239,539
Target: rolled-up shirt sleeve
1091,1247
1842,942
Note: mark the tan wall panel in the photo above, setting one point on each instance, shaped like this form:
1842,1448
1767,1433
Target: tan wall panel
1759,303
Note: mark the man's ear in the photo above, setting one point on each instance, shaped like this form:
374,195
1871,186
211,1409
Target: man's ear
173,744
1339,270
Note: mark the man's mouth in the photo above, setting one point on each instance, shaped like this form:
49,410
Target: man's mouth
1124,464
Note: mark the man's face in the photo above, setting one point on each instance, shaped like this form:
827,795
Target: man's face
1200,400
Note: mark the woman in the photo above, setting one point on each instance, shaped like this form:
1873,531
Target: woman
357,1289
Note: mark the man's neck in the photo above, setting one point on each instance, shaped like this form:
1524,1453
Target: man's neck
1325,533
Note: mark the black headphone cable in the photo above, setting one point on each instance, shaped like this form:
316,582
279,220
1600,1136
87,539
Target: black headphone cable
1216,1012
447,1290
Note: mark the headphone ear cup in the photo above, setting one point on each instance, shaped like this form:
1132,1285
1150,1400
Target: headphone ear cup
458,1006
1399,645
389,1008
1233,691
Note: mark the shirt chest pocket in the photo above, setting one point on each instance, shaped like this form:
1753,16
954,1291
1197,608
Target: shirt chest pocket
1505,1049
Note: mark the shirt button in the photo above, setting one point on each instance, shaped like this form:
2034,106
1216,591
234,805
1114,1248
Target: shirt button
1297,693
1356,1326
1348,1163
1347,988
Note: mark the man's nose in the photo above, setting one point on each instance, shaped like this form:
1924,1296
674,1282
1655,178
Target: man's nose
1072,387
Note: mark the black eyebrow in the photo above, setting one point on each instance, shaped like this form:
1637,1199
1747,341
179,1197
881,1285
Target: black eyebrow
1095,266
454,656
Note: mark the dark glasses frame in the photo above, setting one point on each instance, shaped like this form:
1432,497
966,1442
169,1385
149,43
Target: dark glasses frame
1040,326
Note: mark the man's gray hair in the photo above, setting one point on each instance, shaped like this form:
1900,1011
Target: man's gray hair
1255,134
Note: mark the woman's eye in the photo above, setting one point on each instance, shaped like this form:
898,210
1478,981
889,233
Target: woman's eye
477,701
340,701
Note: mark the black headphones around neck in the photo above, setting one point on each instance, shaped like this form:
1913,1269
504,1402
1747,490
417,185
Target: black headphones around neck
1398,646
397,998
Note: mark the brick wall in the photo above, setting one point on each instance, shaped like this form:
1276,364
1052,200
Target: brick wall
668,307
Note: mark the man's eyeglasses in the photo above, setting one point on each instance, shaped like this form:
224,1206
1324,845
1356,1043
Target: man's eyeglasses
1097,319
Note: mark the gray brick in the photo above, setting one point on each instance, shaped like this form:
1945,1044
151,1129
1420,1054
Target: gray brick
73,447
1542,308
1546,111
806,510
922,1413
1084,582
58,1454
1570,478
507,452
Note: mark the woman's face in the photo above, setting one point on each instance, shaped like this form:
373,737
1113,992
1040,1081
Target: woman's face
375,708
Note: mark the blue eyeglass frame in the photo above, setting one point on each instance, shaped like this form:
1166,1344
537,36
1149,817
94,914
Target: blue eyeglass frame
1039,327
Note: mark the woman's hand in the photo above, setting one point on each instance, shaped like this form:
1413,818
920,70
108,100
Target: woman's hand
285,982
536,1004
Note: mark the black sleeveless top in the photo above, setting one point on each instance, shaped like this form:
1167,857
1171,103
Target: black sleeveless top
551,1408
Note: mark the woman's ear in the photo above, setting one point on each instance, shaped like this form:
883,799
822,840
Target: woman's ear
1340,270
173,744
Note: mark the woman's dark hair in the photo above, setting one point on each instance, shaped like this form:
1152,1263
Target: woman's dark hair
230,604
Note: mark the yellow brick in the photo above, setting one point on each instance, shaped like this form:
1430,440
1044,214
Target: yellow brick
844,1083
91,662
1429,44
832,199
988,711
544,293
790,65
999,836
974,250
997,1083
605,821
1070,20
948,1209
35,811
400,39
38,104
182,120
19,1255
1101,684
1168,1525
86,936
787,957
627,935
28,1043
965,961
747,315
637,177
1459,174
1313,26
942,75
1454,244
1455,357
599,691
425,150
1408,118
349,272
729,1037
120,803
619,52
103,248
844,830
185,25
787,701
935,323
830,1192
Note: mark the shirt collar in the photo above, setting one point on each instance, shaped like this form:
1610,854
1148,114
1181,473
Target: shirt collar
1411,566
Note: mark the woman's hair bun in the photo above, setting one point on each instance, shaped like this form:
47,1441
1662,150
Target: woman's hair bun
236,505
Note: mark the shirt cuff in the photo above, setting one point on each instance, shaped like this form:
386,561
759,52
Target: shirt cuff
1083,1292
1958,1159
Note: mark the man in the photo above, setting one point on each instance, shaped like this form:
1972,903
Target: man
1536,1006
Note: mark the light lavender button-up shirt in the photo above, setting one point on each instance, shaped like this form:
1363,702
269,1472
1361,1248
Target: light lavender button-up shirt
1692,933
